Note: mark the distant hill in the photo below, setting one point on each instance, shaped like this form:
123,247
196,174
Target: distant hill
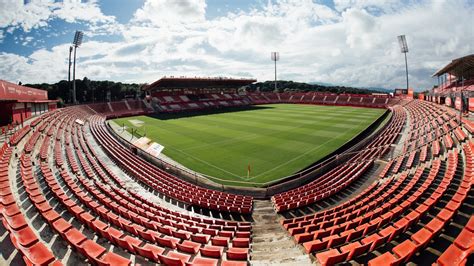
376,89
322,84
284,85
380,89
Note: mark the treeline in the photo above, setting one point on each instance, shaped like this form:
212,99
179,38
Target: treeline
284,85
89,90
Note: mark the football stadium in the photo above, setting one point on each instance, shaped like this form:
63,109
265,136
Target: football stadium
187,169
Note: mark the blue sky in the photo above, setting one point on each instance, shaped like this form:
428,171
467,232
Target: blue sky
347,42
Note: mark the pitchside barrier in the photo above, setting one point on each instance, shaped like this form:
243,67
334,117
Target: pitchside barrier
267,189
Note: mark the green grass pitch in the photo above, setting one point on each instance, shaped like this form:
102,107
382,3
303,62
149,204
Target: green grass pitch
276,140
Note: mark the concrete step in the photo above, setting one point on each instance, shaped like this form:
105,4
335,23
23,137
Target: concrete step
273,254
271,244
290,261
283,248
272,231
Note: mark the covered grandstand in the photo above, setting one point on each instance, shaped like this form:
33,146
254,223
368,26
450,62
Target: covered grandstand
455,84
171,94
19,103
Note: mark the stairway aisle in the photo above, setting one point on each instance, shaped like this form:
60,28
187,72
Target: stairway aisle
271,244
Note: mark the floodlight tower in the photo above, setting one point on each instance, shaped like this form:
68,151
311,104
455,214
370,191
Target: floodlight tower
275,58
404,49
69,73
76,42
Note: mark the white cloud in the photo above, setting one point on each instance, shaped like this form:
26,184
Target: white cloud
36,14
361,28
353,45
77,10
168,12
375,5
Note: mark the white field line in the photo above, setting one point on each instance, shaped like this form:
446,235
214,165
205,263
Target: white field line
224,141
189,155
207,163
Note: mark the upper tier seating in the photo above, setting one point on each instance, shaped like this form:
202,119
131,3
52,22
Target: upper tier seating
377,101
172,103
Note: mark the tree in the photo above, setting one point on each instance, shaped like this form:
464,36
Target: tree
88,90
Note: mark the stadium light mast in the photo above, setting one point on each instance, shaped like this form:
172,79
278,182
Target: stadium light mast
275,57
402,41
76,42
69,73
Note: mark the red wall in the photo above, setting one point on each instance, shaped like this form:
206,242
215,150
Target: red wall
17,116
16,92
457,103
471,104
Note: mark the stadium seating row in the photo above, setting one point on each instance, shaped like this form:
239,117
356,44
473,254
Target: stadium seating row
429,132
377,101
172,103
21,233
120,108
402,252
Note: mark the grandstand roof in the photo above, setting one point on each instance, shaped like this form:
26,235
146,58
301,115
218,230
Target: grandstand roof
17,93
189,83
459,67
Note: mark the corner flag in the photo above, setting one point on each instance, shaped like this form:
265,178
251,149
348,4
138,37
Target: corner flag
248,171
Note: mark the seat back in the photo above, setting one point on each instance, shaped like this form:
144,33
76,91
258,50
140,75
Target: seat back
337,258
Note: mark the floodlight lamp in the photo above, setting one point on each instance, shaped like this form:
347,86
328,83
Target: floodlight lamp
275,56
403,44
78,38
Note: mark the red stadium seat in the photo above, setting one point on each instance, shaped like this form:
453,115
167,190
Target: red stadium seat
212,251
174,258
237,254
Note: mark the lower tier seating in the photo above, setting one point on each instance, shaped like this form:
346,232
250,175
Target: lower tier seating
406,215
88,209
